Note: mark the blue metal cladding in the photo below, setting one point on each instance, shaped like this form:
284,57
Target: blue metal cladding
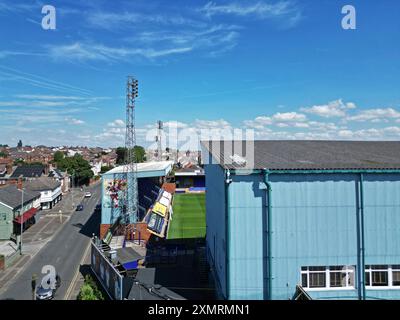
215,221
246,238
314,223
382,219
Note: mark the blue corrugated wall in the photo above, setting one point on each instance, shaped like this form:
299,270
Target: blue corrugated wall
215,220
314,223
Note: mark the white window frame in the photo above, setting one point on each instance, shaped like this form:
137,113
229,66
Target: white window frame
389,270
346,268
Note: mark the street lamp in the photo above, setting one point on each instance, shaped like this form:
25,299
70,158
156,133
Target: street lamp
21,215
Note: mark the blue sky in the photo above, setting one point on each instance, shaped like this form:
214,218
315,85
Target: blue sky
283,68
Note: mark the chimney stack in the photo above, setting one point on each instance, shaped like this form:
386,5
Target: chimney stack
9,168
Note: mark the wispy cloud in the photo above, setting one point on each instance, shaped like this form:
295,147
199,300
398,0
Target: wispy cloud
39,81
287,10
112,20
85,52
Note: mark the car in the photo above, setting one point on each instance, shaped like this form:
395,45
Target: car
88,194
48,293
98,207
79,207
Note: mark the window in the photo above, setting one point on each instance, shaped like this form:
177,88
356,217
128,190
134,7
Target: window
376,275
327,277
317,277
396,275
382,276
341,276
3,216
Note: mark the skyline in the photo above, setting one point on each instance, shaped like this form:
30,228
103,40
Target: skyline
285,69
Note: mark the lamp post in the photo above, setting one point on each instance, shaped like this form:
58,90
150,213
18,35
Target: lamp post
21,215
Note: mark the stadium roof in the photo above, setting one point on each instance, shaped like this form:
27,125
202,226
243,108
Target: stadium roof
304,155
147,169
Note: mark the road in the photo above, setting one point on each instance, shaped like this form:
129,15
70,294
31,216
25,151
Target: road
65,252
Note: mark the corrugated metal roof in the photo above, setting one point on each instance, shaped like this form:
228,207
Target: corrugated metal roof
305,155
145,167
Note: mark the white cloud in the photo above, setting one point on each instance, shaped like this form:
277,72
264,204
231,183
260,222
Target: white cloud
375,115
116,123
289,117
335,108
74,121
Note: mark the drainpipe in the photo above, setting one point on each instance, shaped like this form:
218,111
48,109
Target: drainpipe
269,234
362,249
228,181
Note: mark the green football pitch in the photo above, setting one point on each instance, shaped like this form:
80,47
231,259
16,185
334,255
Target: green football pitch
189,217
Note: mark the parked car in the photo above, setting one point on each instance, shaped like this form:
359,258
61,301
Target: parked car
48,293
79,207
88,194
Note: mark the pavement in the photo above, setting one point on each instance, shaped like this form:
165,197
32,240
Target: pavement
61,240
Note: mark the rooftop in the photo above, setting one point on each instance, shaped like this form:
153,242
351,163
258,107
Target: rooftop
11,196
42,184
28,171
147,168
305,155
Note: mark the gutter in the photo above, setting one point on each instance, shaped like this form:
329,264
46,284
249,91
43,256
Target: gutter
228,181
310,171
269,235
362,247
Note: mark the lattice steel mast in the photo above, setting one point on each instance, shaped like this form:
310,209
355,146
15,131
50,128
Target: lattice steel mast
130,168
159,133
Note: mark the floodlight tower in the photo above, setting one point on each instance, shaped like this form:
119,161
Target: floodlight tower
159,130
130,214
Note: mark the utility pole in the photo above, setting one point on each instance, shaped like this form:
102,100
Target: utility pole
21,216
33,284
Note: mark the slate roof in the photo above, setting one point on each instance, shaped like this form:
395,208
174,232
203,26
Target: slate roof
143,288
56,173
42,184
28,171
11,196
305,155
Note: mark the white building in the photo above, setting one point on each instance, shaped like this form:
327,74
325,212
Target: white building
49,188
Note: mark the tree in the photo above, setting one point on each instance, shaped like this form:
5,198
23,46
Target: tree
140,154
105,168
3,154
19,145
89,290
120,155
58,156
78,167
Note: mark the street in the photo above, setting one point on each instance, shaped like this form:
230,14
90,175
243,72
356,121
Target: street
65,251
